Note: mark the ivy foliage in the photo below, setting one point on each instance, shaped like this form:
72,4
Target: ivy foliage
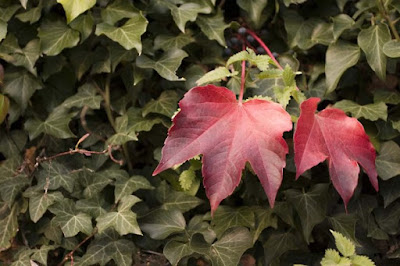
87,92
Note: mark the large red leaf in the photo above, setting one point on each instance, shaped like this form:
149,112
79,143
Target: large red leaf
334,136
211,122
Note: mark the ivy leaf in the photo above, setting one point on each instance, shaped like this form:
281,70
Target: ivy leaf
390,191
343,244
392,48
346,225
264,218
32,15
228,249
187,12
4,105
74,8
54,175
174,251
56,124
254,9
159,224
373,111
341,23
93,206
128,35
118,10
388,160
86,96
371,41
124,133
42,254
213,27
9,227
386,96
181,201
168,42
126,186
339,57
95,183
40,202
55,36
197,130
332,135
226,217
123,221
166,104
166,65
216,75
310,206
11,187
20,86
83,24
69,219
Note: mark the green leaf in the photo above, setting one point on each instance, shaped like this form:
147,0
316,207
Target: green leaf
341,23
213,27
371,41
373,111
40,202
56,124
346,225
42,254
92,206
331,258
3,30
32,15
390,191
264,218
118,10
186,179
388,160
125,187
226,217
128,35
168,42
181,201
343,244
69,219
4,105
166,104
386,96
254,9
339,57
84,24
261,61
322,33
174,251
392,48
55,36
124,133
358,260
310,206
106,247
187,12
86,96
24,3
95,183
54,175
215,75
123,221
388,218
166,65
11,187
159,224
8,12
20,86
9,227
228,249
74,8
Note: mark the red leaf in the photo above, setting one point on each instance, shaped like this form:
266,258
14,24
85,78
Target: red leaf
211,122
334,136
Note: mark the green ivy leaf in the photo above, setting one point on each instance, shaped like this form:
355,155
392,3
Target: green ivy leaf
168,42
174,251
343,244
386,96
310,206
118,10
4,105
371,41
86,96
128,35
166,65
339,57
92,206
346,225
74,8
69,219
388,160
95,183
254,9
126,186
9,227
55,36
159,224
123,221
373,111
84,24
187,12
32,15
42,254
213,27
123,132
387,218
264,218
341,23
56,124
54,175
226,217
11,187
39,203
390,191
166,104
181,201
392,48
215,75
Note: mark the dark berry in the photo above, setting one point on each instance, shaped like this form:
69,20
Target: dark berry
234,41
228,43
242,30
228,51
264,32
260,50
250,38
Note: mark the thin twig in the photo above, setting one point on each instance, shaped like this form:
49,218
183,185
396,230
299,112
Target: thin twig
389,21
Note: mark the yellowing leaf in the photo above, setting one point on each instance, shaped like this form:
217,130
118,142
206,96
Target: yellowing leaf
74,8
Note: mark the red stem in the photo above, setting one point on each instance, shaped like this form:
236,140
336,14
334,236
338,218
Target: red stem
263,45
242,83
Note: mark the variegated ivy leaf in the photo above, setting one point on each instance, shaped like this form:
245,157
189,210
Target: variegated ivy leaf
86,96
54,175
74,8
39,202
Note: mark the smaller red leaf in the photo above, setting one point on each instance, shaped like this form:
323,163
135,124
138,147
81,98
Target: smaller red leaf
334,136
228,134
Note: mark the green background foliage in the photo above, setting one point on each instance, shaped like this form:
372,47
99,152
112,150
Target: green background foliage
116,69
